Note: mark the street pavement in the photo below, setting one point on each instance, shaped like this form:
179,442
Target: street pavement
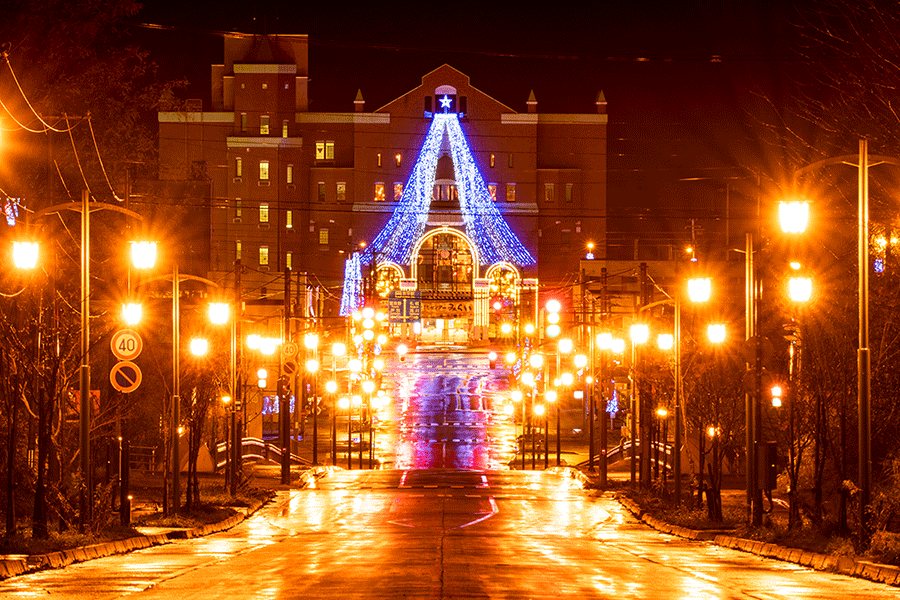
448,521
440,533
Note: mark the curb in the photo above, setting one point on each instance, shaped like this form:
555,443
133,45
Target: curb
845,565
13,567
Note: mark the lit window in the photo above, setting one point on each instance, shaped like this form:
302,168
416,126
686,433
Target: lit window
263,256
237,208
341,192
289,176
323,237
570,191
264,125
284,129
289,260
321,191
320,150
509,161
510,192
265,86
243,121
492,190
289,219
398,191
398,159
237,249
548,192
264,170
238,167
379,192
493,160
329,150
264,213
378,159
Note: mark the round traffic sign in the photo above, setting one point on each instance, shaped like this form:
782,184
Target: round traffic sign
289,367
289,350
126,344
125,376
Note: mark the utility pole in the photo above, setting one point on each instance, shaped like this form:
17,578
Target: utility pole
605,386
237,403
284,403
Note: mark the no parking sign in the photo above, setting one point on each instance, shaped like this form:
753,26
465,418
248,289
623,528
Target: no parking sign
125,377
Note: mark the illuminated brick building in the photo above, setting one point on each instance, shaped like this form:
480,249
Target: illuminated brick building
291,188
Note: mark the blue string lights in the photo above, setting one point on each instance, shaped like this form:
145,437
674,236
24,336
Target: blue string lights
484,224
396,241
352,296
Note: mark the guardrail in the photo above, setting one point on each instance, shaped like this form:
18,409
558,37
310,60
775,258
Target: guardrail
258,449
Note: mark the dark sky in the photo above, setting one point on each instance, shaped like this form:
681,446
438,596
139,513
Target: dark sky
682,78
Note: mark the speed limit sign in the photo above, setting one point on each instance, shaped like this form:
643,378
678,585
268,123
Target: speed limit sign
126,344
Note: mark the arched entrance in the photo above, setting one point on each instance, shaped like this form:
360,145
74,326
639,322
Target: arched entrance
445,267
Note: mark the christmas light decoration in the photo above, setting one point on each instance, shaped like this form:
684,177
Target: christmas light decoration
490,233
351,299
484,224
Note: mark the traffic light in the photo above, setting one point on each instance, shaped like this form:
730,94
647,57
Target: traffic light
492,359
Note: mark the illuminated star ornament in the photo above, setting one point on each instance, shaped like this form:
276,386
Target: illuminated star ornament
485,226
445,102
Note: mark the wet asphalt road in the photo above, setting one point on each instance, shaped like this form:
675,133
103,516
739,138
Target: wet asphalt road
447,522
440,534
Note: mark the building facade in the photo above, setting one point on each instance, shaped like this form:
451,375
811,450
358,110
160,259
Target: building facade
301,190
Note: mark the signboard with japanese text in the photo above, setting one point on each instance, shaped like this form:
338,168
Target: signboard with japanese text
404,306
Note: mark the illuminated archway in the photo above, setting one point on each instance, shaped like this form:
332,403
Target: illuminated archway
387,278
461,253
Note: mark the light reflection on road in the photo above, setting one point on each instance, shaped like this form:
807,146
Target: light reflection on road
447,412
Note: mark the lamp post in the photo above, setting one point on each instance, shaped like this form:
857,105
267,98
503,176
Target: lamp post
144,257
337,349
344,404
640,333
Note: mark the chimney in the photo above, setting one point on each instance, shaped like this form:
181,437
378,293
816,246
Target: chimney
532,102
601,103
359,104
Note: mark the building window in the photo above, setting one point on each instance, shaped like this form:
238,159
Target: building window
265,86
398,159
264,125
237,249
398,191
324,150
289,219
548,192
284,129
509,161
492,190
323,237
237,208
341,192
570,192
321,191
263,256
264,170
379,192
289,260
238,167
493,161
289,176
378,159
264,213
243,121
510,192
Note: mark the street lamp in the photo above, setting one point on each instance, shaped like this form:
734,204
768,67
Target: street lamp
716,333
131,313
25,254
640,333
